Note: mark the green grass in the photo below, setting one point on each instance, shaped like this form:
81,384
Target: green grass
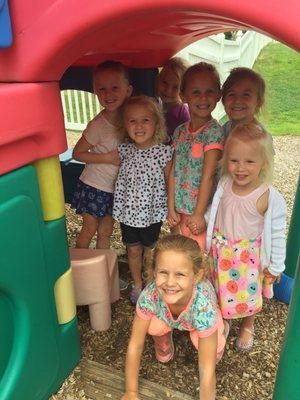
280,67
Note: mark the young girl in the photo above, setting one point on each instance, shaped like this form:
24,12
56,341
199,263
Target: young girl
93,197
168,90
140,202
243,95
246,228
180,297
198,145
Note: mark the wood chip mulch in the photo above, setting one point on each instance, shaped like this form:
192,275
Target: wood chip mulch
240,376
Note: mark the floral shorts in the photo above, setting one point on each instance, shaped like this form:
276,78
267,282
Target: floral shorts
89,200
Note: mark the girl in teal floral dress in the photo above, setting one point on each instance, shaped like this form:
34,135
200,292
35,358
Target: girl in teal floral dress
179,296
198,145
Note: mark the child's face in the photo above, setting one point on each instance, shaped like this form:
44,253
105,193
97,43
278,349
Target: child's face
202,94
244,163
241,102
111,88
175,277
168,87
140,123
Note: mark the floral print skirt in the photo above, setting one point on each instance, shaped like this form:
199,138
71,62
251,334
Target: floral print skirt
89,200
237,276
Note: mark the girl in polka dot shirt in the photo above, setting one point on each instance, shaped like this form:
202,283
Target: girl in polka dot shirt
140,197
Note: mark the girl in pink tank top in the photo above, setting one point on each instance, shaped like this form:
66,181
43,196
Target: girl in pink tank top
238,275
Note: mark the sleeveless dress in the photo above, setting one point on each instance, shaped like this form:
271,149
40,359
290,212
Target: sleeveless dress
237,273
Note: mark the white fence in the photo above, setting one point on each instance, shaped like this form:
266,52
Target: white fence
80,107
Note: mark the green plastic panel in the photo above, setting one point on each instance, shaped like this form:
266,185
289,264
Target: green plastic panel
36,353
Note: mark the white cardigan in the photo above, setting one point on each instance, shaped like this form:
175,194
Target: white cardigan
273,245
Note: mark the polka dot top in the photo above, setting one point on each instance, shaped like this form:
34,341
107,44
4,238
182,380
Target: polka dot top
140,197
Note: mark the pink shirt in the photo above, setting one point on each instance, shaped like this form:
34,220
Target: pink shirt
104,137
237,216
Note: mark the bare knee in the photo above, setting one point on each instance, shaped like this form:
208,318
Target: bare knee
135,252
105,226
88,230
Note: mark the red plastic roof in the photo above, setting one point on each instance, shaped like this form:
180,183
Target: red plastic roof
49,35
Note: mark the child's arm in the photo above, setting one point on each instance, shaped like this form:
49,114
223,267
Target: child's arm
173,217
275,229
196,221
207,353
81,153
133,357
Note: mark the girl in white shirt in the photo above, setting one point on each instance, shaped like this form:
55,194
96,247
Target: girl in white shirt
93,197
140,199
246,228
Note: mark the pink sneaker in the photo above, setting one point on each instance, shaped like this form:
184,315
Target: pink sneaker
164,347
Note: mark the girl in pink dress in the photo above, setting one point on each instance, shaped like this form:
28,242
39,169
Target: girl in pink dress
246,228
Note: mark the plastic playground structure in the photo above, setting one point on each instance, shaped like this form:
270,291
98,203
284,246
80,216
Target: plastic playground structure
48,45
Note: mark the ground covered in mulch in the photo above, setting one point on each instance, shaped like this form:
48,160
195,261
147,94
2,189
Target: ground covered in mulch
240,376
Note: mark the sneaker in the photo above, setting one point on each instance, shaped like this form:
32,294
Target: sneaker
134,295
164,347
123,284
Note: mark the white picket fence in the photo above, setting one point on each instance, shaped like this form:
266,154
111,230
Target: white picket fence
80,107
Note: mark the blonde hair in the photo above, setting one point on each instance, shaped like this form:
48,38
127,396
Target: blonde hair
176,65
111,65
180,244
249,133
146,101
199,68
239,73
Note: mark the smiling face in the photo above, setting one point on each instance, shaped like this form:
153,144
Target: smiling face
168,88
140,124
111,88
175,278
244,164
201,92
241,102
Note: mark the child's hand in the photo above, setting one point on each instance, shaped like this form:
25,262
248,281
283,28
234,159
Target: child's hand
173,218
196,224
270,277
130,396
112,157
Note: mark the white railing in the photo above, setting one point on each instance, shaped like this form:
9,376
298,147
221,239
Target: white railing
80,107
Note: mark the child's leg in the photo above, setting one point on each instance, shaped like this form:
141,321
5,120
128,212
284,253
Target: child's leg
104,232
245,337
162,337
88,230
135,261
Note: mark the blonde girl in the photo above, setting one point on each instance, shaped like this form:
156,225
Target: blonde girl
178,297
140,199
168,90
93,197
246,228
198,146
